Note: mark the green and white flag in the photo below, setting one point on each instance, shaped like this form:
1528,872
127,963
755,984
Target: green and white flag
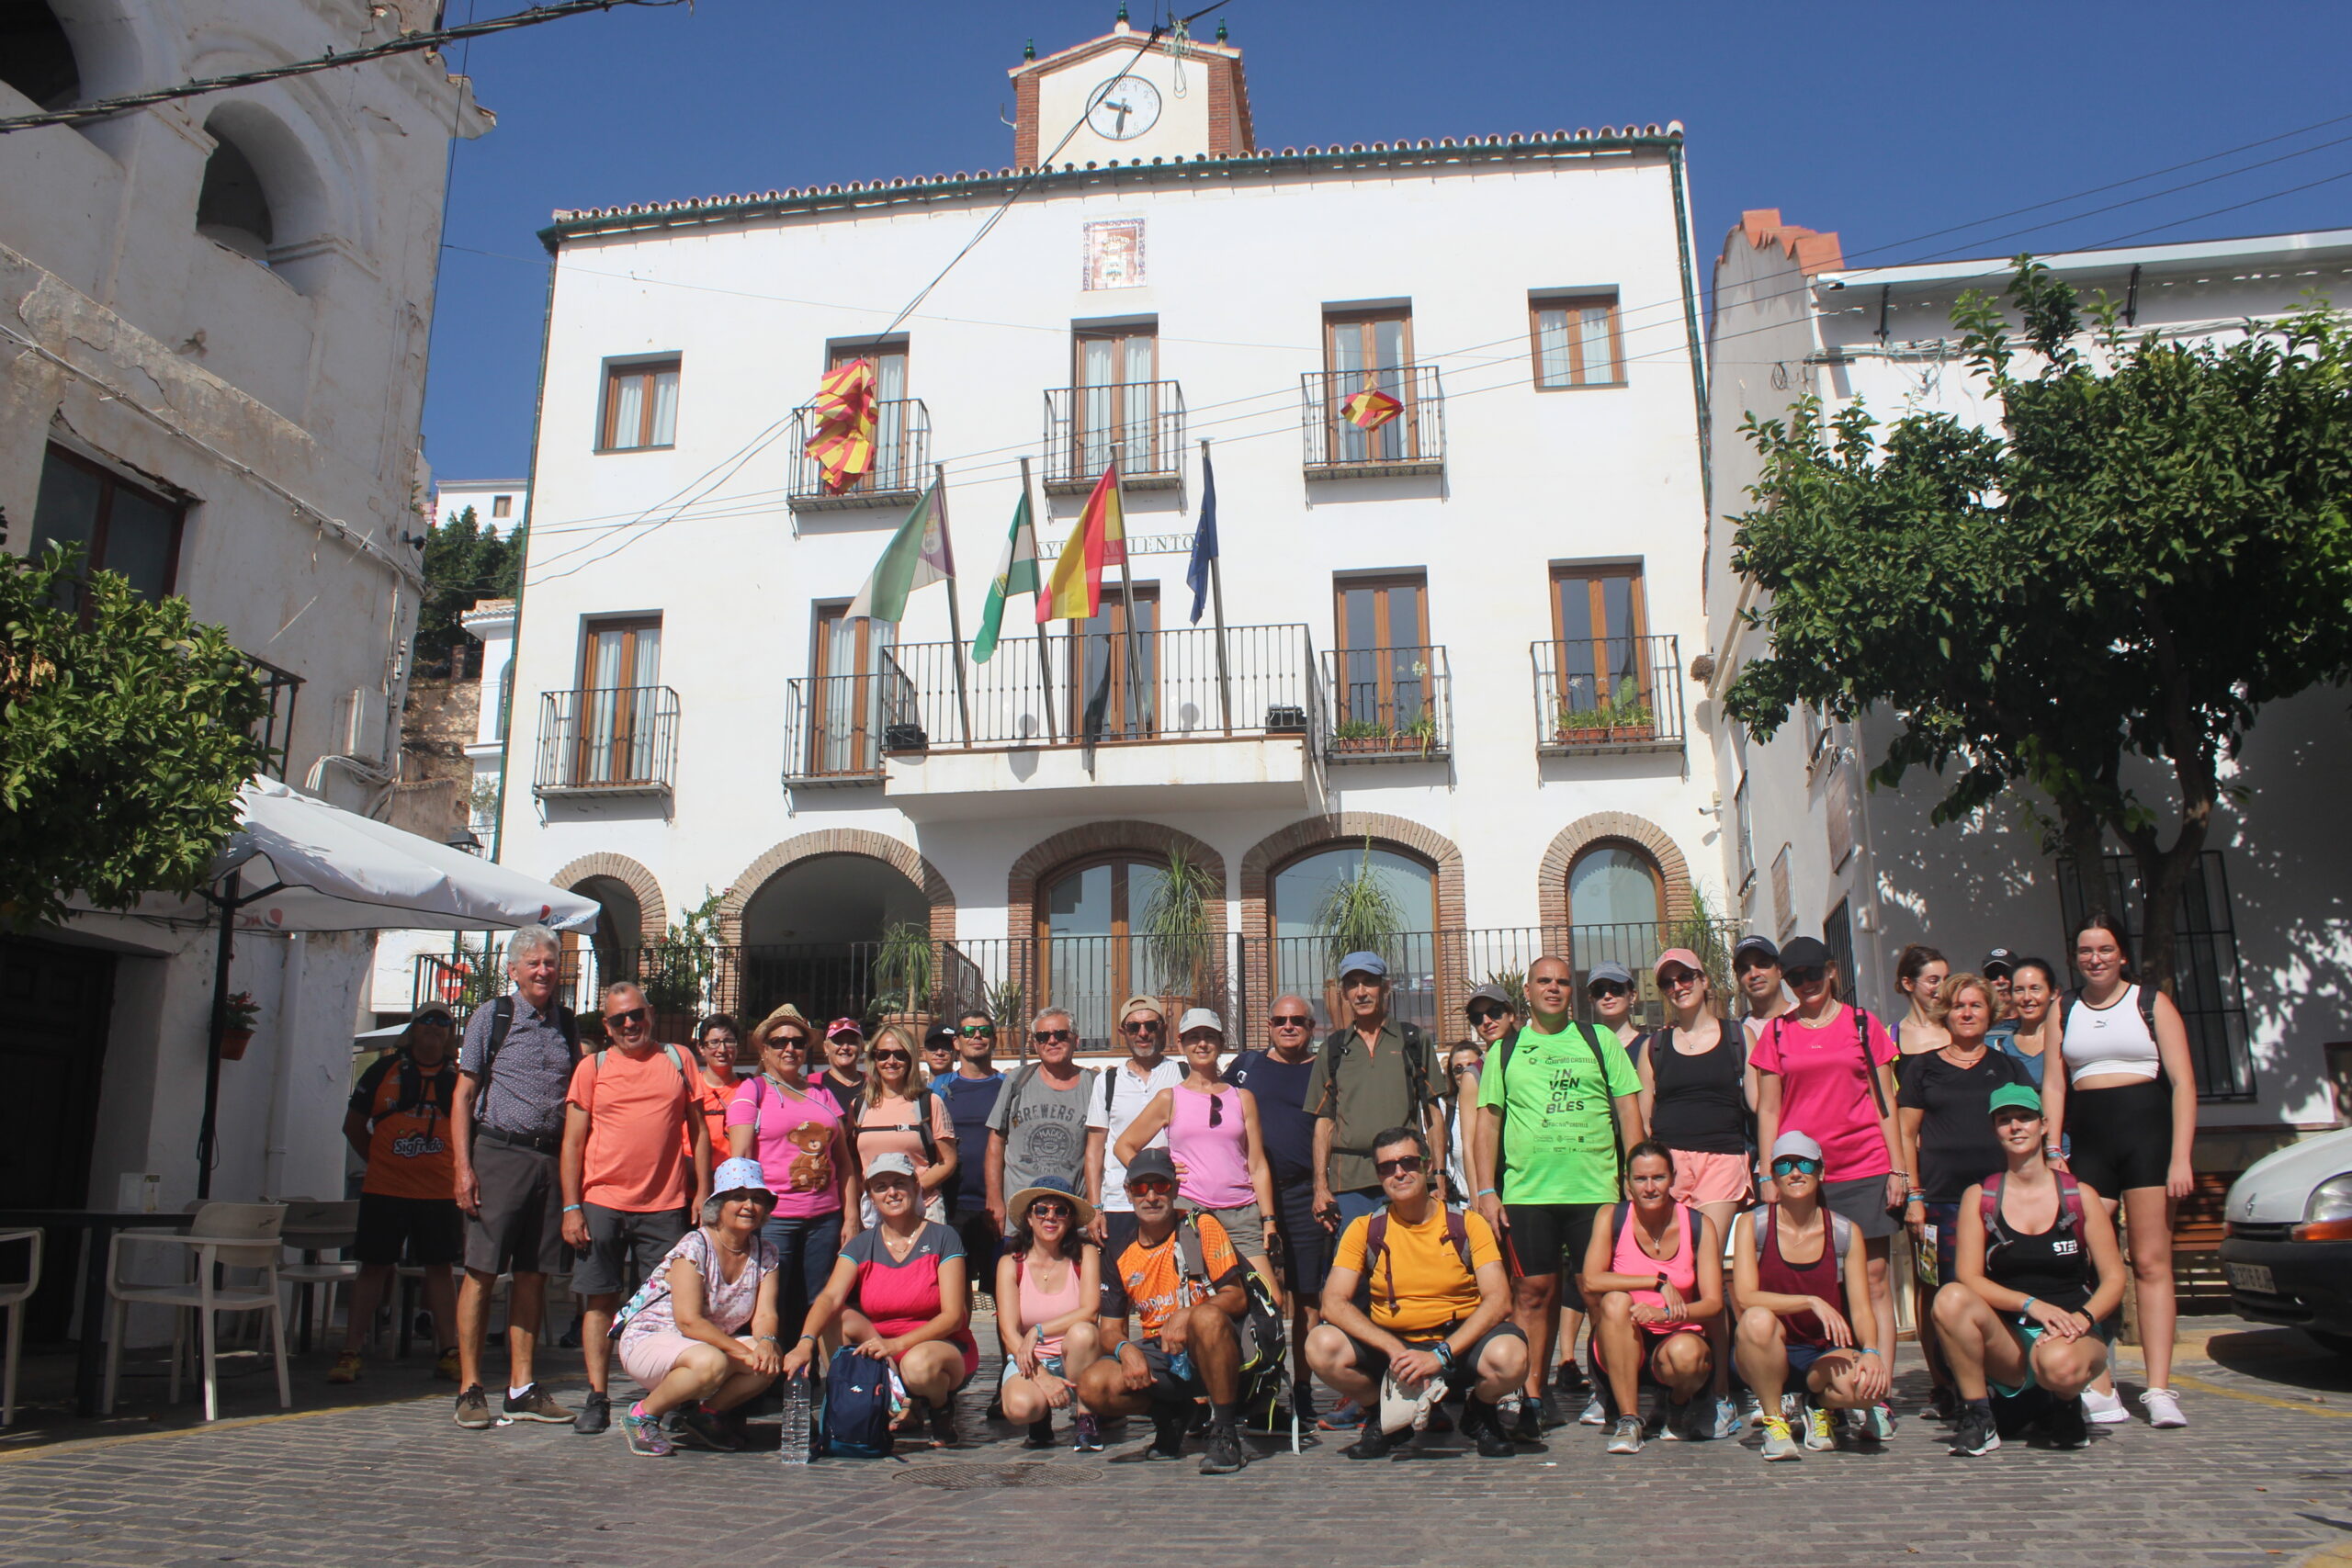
1016,574
917,557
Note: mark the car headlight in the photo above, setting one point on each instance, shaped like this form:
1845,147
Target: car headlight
2331,1200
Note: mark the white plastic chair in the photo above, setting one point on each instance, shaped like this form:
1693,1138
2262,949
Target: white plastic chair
13,1293
225,1235
313,1227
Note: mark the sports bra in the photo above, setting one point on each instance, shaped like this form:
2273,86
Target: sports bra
2114,1039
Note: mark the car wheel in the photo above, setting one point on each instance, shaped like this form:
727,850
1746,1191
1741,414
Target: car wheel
2339,1343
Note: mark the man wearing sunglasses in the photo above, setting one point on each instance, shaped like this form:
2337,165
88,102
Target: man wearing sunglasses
1120,1095
938,1052
1278,1075
969,1091
631,1188
1037,1126
1373,1072
1801,1276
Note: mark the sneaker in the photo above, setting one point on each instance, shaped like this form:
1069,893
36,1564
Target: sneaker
1625,1438
1678,1421
445,1366
595,1414
691,1426
1548,1411
1040,1434
1882,1420
1528,1427
2163,1406
1485,1431
1726,1419
647,1435
345,1368
1777,1443
1819,1435
1943,1404
1372,1442
2103,1409
2065,1426
473,1409
1751,1409
1166,1438
1568,1380
1341,1418
535,1405
1595,1413
1972,1433
995,1412
1086,1434
1226,1452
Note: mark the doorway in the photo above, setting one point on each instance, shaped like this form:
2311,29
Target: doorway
54,1005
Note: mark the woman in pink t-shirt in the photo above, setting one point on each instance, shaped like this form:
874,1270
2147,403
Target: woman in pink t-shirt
1656,1267
797,1135
1826,1070
893,1117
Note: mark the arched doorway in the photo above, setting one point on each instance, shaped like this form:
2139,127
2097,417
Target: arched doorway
611,953
838,936
1305,918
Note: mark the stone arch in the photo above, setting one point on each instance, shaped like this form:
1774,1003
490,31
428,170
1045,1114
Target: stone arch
896,853
1100,838
653,910
1608,826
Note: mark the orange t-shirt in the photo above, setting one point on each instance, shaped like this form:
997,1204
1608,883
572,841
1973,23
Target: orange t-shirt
714,1116
408,1148
635,1161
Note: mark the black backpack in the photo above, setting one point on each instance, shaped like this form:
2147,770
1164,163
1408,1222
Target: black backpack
502,1019
1599,1065
1265,1360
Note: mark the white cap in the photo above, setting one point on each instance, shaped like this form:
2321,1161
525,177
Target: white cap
891,1164
1199,1018
1796,1143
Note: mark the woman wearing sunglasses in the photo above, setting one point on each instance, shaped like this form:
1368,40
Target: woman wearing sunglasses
797,1134
899,1114
1656,1269
1046,1289
1213,1133
1697,1093
1802,1283
718,1043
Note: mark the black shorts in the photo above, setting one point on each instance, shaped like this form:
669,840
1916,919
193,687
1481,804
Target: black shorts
1171,1384
2119,1138
1307,1246
618,1237
1372,1361
1549,1239
408,1230
521,1223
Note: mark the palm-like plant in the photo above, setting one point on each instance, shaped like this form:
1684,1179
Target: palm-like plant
1359,914
1179,922
902,970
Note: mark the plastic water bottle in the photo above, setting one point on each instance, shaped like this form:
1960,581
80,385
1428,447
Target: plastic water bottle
795,1450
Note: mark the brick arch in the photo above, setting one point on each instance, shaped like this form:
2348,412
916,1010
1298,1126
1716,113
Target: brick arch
1609,826
1332,830
652,909
896,853
1101,838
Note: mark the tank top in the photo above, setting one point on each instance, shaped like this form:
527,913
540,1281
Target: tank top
2054,1265
1702,1101
1037,1307
1209,1139
2109,1040
1682,1268
1823,1277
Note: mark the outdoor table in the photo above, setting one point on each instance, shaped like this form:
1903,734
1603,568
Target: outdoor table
89,1358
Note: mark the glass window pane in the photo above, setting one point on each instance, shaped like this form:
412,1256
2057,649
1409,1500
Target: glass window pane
1575,607
1388,341
1079,902
1612,886
628,411
138,543
1347,347
1404,616
67,509
647,665
665,407
1359,627
1598,362
1552,369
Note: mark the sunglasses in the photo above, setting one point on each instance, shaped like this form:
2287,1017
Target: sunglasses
628,1020
1796,1165
1150,1026
1216,1110
1801,978
787,1043
1052,1036
1487,1015
1403,1164
1050,1209
1151,1185
892,1056
1674,980
1291,1020
977,1031
1608,989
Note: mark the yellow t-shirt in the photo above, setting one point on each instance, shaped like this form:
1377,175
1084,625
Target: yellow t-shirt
1418,1284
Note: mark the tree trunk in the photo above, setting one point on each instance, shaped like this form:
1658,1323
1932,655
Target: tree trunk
2082,843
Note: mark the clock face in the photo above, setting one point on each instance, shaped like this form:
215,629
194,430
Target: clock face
1123,108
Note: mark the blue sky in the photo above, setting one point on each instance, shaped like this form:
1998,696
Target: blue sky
1883,119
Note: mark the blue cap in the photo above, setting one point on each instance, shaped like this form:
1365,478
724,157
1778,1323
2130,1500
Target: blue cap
739,1175
1370,964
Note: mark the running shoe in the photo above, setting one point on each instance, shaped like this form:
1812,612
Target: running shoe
693,1427
473,1409
1972,1433
535,1405
1342,1417
1569,1379
1728,1419
646,1434
1625,1438
2065,1427
2163,1406
1086,1434
1943,1404
1678,1421
1777,1443
1485,1431
1227,1453
345,1368
1882,1419
1818,1437
445,1366
942,1426
2103,1409
595,1413
1595,1413
1751,1409
1040,1435
1375,1442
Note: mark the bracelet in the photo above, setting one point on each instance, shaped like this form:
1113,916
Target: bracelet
770,1339
571,1208
1119,1347
2026,1305
805,1339
1489,1193
1914,1198
1865,1349
2052,1151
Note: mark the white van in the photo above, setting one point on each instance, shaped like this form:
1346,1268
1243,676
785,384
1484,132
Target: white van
2288,1250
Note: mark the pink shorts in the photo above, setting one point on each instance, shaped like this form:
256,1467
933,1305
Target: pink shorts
648,1357
1710,1179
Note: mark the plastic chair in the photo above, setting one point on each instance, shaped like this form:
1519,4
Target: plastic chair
13,1293
225,1235
314,1227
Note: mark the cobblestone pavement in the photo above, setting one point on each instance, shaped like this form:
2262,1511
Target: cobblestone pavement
2265,1476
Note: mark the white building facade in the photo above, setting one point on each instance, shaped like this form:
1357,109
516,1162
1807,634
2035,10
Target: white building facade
1455,644
213,328
2266,948
501,503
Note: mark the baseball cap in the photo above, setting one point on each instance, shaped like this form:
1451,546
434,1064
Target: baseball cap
1610,969
1199,1018
1682,956
1804,953
433,1009
2017,1096
1492,994
1359,962
1148,1162
1998,961
739,1175
1797,1144
1141,1003
891,1164
1761,946
842,1026
939,1034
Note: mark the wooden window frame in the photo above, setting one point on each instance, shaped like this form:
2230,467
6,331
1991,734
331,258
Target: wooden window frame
1593,575
1648,862
865,745
619,742
1407,424
1122,937
1122,417
608,406
1386,709
1572,302
110,483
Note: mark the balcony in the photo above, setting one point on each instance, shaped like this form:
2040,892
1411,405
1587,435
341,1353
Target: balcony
1143,421
274,730
607,741
902,461
1602,694
836,727
1387,704
1338,448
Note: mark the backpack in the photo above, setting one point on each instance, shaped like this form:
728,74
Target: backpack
1259,1330
1375,1248
417,1093
858,1398
1417,1070
502,1019
1601,1064
1841,1230
1997,1236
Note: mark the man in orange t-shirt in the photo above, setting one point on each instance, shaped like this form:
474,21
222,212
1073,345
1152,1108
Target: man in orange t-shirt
631,1187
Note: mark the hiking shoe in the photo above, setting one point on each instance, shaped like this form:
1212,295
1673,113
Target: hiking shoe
535,1405
1595,1413
1529,1428
1086,1434
2103,1409
473,1409
1040,1435
1548,1413
1972,1433
2065,1426
1778,1444
691,1426
445,1366
647,1435
345,1368
1226,1453
1728,1419
1882,1421
595,1414
1625,1438
1167,1437
1375,1442
2163,1406
1342,1417
1818,1437
1485,1426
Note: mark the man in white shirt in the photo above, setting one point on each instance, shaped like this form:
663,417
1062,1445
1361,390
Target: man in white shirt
1120,1096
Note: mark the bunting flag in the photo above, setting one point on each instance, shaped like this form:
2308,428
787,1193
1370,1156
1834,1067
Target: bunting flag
1017,573
1203,538
916,556
1075,590
1371,408
842,446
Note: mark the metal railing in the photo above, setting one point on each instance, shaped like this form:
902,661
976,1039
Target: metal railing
608,739
901,461
1617,694
274,732
837,727
1337,447
1393,705
1143,421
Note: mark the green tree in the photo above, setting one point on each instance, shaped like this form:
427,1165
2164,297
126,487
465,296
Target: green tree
465,560
124,735
2150,546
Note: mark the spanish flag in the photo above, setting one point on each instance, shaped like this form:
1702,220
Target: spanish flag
1074,593
842,446
1371,408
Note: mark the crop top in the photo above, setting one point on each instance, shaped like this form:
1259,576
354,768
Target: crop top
2114,1039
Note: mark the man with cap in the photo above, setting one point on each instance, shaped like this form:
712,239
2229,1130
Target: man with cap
1373,1072
1755,971
1494,1018
1120,1094
938,1052
1185,1347
1214,1136
844,1044
1277,1075
1999,968
1558,1105
397,1122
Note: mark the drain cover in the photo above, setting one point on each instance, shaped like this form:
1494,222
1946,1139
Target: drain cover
952,1476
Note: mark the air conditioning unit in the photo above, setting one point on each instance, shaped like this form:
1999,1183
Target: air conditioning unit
359,722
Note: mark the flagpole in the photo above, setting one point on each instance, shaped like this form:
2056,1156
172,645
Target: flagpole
1128,584
1044,644
1217,608
955,616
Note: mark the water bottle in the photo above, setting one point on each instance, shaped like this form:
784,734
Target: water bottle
795,1448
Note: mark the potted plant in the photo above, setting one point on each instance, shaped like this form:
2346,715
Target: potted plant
1178,925
902,973
1630,718
241,1012
1358,914
1421,733
1355,736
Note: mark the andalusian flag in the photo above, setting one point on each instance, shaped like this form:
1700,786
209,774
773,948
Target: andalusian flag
1075,590
842,446
916,556
1016,574
1371,408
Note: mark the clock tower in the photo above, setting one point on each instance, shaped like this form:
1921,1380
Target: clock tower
1138,99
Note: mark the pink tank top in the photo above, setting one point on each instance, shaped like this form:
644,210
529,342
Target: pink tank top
1682,1268
1210,1141
1037,1307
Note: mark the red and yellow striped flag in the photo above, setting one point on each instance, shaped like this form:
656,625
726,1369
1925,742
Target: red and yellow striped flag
842,446
1371,408
1074,593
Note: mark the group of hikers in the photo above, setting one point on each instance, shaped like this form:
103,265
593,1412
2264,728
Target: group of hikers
1686,1232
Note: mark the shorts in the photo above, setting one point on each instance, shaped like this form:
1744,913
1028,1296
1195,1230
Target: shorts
521,1223
617,1237
430,1231
1245,1226
1372,1361
1171,1383
650,1356
1550,1238
1943,1226
1803,1354
2121,1137
1646,1376
1862,1201
2028,1331
1011,1369
1701,1177
1307,1246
